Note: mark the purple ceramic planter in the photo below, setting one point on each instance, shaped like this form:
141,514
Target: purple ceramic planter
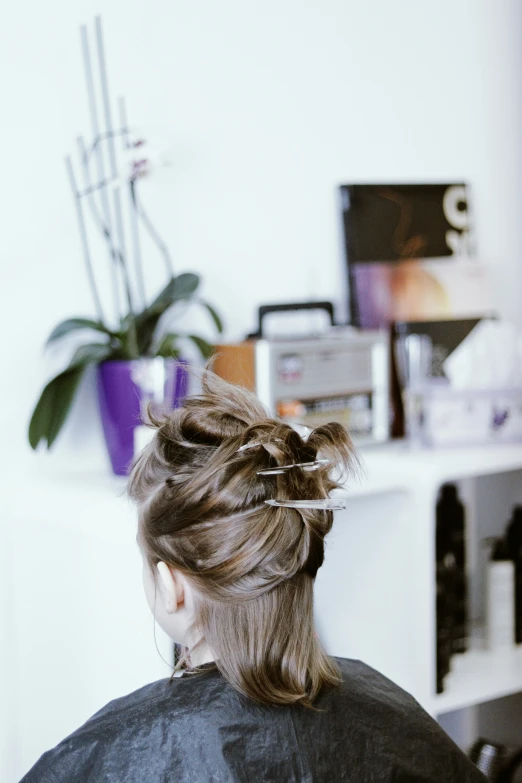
124,390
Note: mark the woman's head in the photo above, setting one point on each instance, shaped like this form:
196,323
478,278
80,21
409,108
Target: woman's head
204,522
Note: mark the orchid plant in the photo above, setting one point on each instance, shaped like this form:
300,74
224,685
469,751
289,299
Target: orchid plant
135,332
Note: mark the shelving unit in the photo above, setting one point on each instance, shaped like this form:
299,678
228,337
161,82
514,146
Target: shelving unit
479,676
381,566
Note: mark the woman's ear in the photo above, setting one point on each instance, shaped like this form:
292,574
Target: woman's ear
171,588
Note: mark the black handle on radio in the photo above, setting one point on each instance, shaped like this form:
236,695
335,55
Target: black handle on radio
280,308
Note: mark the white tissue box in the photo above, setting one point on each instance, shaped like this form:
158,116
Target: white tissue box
442,416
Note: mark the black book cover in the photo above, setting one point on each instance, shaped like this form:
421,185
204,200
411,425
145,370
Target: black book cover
388,231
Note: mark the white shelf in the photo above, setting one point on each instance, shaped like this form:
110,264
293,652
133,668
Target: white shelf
392,467
396,467
479,676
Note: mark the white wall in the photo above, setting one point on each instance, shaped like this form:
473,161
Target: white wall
265,107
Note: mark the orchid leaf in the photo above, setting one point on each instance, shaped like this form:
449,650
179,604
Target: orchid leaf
214,315
177,289
180,287
90,353
53,407
57,397
206,349
168,347
73,324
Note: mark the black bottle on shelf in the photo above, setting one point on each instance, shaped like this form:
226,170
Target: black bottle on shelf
445,593
514,542
451,552
444,615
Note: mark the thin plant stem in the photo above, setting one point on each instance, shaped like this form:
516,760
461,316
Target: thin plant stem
85,242
100,220
105,96
123,120
152,231
116,254
112,134
122,252
99,160
138,266
119,222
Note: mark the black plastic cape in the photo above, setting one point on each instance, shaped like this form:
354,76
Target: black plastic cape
198,729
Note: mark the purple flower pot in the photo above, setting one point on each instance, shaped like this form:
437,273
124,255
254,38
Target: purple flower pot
124,390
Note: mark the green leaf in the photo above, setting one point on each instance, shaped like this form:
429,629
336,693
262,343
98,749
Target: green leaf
205,348
127,339
90,353
53,407
177,289
72,324
180,287
124,324
145,329
168,347
56,399
214,315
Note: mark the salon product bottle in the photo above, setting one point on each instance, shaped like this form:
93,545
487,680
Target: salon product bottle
500,597
445,597
443,631
450,518
514,541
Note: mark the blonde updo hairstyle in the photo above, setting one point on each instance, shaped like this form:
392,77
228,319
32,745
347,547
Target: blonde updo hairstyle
202,510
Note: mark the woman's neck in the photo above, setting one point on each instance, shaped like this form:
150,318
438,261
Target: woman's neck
201,654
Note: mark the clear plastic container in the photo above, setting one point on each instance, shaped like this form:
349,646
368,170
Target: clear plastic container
437,415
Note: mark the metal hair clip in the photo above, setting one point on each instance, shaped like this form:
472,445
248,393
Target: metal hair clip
327,504
251,445
315,465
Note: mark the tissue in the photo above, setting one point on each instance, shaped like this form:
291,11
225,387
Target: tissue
490,357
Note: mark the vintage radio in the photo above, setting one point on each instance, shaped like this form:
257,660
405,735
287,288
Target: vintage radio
340,376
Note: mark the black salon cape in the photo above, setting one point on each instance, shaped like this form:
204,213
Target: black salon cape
197,729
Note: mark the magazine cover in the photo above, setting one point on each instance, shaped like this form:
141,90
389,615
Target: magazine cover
409,250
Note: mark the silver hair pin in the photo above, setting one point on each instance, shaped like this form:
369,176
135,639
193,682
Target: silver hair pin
309,466
251,445
327,504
